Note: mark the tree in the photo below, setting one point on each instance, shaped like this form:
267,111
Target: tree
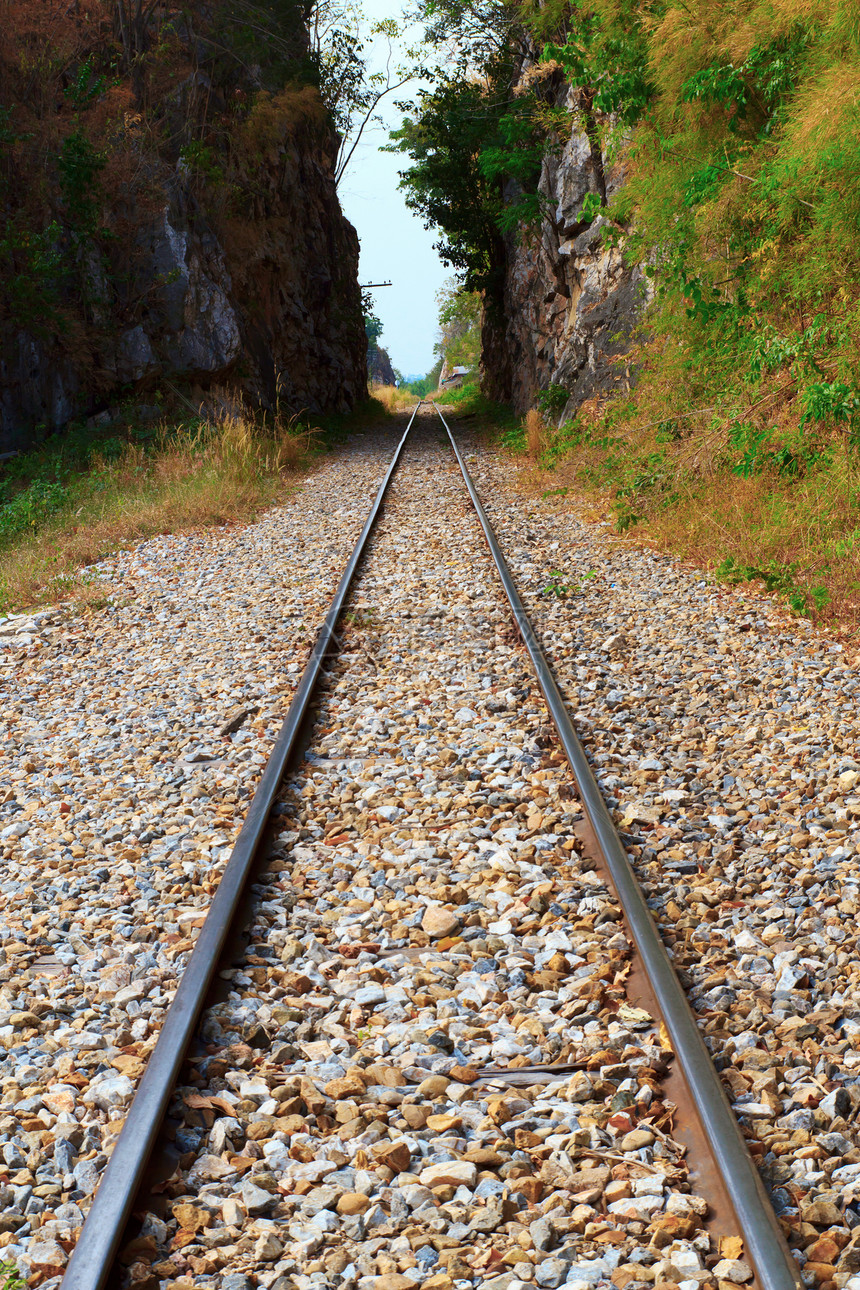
352,92
459,325
445,184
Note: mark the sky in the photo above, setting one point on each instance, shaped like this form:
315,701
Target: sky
394,243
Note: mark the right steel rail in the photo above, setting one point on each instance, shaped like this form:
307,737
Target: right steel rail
96,1248
767,1248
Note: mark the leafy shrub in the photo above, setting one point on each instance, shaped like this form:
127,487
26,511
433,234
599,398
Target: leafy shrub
28,510
553,400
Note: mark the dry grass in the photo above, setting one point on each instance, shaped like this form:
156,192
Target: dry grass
216,473
393,399
535,433
795,535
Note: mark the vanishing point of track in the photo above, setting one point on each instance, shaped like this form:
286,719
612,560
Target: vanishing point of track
715,1129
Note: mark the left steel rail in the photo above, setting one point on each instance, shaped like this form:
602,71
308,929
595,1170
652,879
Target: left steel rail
96,1248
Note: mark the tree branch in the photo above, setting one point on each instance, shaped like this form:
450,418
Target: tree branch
342,165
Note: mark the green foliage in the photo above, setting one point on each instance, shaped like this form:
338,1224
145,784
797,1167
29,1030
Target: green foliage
477,155
459,343
10,1278
87,85
28,510
79,164
556,587
372,328
476,143
32,270
516,153
446,185
793,457
606,54
834,401
757,88
422,387
552,400
203,160
781,579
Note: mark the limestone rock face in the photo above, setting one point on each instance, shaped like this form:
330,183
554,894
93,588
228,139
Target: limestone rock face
269,301
571,294
379,367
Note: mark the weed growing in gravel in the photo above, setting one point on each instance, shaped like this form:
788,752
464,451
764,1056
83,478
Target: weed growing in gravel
561,590
555,587
11,1278
364,616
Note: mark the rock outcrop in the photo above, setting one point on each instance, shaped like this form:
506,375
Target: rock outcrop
571,296
226,261
379,367
270,303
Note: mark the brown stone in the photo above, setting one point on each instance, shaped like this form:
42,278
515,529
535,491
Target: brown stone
823,1213
346,1086
394,1155
512,1257
345,1111
505,1107
352,1202
824,1250
667,1228
443,1123
292,1123
313,1099
454,1172
433,1086
484,1157
415,1116
260,1130
381,1073
821,1271
191,1217
464,1075
531,1188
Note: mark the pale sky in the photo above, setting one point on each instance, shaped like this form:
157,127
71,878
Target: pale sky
394,243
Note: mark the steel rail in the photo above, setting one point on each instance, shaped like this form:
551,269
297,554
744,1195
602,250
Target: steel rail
768,1251
96,1248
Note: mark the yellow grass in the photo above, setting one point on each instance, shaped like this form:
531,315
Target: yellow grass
535,433
393,399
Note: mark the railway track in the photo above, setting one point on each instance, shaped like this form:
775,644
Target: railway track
353,1115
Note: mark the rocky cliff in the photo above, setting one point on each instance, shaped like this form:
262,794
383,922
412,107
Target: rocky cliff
571,296
379,369
226,261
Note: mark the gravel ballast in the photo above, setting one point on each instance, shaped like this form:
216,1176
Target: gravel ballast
427,917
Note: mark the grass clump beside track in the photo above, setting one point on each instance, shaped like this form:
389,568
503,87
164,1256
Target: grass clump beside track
80,496
743,510
393,399
471,405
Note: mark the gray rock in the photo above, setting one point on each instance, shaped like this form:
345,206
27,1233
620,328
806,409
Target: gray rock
256,1199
